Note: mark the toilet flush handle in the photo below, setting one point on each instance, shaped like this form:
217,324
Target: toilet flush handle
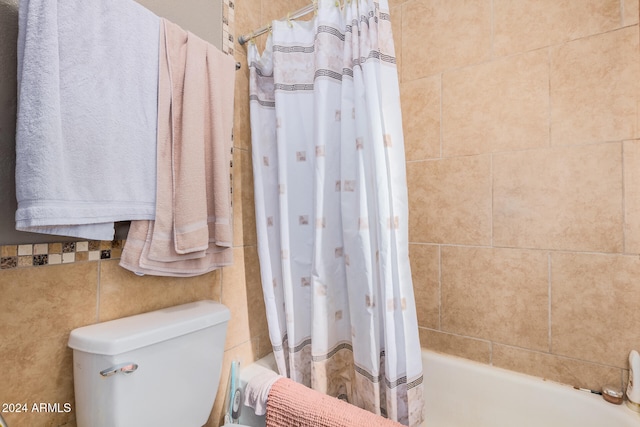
125,368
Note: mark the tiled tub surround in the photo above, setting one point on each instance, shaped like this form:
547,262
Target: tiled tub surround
523,162
463,204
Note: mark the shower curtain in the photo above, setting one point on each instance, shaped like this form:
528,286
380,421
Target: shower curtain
331,208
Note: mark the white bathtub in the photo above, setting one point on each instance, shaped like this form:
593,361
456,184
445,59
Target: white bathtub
462,393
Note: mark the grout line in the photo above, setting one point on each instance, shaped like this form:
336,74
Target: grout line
441,115
511,55
556,355
526,248
529,350
400,7
549,118
439,287
98,269
624,212
455,334
492,52
220,285
549,300
523,150
492,196
491,353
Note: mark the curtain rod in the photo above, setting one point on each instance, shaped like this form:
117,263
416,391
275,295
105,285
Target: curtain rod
293,15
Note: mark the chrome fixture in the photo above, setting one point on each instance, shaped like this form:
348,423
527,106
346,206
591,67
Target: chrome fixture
125,368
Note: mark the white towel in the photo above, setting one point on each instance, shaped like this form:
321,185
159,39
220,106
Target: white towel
257,391
87,116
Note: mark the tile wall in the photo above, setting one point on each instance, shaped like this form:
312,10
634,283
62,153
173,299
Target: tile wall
523,152
523,160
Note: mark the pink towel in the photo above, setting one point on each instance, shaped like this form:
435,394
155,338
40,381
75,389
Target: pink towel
293,405
191,233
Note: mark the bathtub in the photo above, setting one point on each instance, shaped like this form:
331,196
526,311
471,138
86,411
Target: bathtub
462,393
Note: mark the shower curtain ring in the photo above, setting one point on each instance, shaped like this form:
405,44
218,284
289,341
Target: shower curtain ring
289,20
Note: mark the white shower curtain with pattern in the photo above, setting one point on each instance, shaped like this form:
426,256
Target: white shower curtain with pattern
331,208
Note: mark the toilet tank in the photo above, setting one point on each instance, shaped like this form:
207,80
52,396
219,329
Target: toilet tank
160,368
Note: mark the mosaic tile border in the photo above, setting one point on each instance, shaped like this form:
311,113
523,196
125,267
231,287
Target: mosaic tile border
228,26
39,254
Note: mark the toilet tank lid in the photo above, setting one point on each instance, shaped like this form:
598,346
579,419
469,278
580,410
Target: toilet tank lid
129,333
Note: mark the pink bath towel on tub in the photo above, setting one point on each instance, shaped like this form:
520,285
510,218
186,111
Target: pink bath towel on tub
293,405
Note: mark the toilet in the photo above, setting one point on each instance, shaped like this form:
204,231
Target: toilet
160,368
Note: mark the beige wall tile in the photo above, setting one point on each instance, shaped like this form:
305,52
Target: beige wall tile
438,35
594,306
249,234
242,292
38,309
573,372
264,345
276,9
421,118
234,295
244,214
631,11
524,25
247,18
395,3
496,106
456,345
241,124
40,371
122,293
8,250
425,272
594,88
450,200
631,150
238,206
44,302
559,198
500,295
255,298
